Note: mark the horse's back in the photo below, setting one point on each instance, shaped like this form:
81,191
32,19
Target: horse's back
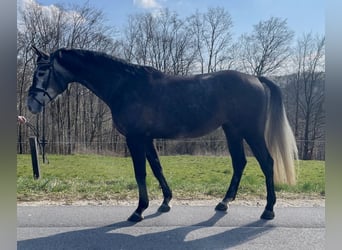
194,106
225,92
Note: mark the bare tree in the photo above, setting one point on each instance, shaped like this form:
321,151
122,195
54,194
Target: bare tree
267,47
307,90
161,41
73,27
211,32
217,35
24,70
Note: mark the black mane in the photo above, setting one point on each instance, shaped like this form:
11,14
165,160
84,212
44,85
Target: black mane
109,61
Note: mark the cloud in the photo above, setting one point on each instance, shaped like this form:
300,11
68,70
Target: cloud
155,7
47,11
147,4
24,4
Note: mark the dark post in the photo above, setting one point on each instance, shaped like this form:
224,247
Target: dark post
34,156
43,142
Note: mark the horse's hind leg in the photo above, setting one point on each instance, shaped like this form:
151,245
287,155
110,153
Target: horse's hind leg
235,145
261,153
157,170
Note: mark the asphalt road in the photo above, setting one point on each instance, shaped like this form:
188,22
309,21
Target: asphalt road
184,227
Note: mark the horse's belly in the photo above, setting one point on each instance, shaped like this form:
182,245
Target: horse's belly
185,128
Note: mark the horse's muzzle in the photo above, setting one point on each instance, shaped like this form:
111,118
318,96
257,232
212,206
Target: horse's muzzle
34,106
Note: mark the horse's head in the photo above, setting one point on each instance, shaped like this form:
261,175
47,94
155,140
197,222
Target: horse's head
48,81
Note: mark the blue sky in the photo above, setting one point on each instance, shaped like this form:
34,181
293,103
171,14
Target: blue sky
302,15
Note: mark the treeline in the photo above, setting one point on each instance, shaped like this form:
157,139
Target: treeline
201,43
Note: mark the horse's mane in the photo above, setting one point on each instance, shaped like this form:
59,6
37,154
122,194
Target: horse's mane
101,58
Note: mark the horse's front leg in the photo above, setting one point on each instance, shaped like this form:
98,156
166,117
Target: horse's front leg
137,149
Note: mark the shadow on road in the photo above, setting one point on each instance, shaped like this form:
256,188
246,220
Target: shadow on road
118,236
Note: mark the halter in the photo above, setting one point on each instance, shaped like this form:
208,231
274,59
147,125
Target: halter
33,89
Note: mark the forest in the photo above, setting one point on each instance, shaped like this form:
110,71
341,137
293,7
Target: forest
79,122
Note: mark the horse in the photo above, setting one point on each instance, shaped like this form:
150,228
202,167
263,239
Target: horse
147,104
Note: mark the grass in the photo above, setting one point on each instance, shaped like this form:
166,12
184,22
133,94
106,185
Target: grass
95,177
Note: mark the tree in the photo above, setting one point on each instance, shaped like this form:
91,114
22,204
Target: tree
211,34
162,42
24,70
267,47
307,90
73,27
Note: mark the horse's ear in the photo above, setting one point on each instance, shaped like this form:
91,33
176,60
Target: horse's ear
42,56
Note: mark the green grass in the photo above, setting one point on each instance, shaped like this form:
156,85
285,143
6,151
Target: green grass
95,177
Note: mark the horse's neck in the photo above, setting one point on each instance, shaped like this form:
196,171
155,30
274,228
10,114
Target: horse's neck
106,77
99,78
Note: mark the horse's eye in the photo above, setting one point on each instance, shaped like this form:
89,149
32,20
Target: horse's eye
40,74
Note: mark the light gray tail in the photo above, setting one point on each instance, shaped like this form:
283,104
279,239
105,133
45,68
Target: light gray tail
279,137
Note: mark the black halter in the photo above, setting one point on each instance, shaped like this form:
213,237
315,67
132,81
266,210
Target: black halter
33,89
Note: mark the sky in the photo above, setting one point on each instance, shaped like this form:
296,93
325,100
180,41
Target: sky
301,15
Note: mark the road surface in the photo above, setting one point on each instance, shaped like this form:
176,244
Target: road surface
184,227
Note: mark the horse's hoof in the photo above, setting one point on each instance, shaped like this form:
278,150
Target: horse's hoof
164,208
221,207
135,217
267,215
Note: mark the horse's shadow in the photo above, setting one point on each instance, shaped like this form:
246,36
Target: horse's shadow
119,236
